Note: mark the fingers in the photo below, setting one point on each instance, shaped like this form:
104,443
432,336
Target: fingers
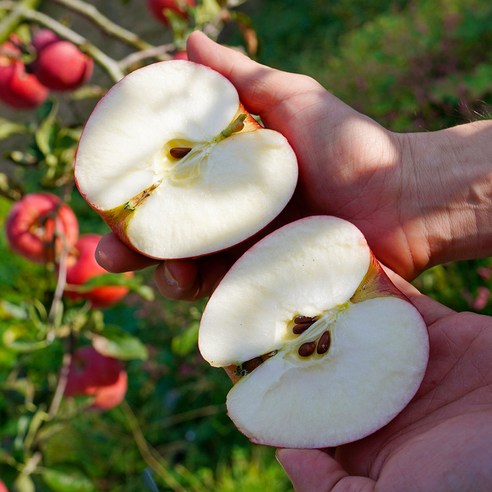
116,257
430,309
261,89
190,279
185,279
313,469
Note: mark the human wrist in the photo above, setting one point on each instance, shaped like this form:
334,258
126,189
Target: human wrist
450,172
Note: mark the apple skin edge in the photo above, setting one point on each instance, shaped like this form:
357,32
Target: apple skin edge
117,218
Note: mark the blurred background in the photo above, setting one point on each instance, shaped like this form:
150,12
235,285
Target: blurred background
416,65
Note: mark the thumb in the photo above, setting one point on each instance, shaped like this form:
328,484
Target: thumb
314,470
261,89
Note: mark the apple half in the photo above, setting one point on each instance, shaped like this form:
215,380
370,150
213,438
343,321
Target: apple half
177,167
322,347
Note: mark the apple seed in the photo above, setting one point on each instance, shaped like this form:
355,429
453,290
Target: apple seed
300,328
179,152
250,365
324,343
307,349
299,320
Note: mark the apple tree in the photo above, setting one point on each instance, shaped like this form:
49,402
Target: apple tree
74,339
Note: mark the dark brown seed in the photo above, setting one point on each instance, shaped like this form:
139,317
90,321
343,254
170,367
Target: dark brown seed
299,320
251,365
179,152
324,343
307,349
301,328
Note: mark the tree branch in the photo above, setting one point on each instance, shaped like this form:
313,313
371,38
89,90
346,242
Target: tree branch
91,13
107,63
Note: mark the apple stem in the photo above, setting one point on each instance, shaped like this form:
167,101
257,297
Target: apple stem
236,126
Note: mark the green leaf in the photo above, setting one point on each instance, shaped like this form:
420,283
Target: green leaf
186,342
116,342
207,11
21,339
68,479
8,128
45,132
24,483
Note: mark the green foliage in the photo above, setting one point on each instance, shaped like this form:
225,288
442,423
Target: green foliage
425,67
410,65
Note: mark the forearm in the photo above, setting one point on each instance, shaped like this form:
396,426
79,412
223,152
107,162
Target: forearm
451,172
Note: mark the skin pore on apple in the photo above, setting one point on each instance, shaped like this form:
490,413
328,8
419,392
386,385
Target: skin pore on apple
177,167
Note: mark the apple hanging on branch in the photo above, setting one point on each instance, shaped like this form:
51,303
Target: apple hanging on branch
176,165
41,227
101,377
322,347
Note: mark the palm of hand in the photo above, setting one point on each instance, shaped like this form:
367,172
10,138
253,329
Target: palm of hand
441,441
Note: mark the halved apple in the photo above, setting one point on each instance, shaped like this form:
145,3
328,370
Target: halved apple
176,165
322,347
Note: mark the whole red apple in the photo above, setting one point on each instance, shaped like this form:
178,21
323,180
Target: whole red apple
40,225
159,7
96,375
43,38
18,89
60,65
82,266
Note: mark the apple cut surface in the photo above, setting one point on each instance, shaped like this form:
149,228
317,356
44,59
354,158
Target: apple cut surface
177,167
322,347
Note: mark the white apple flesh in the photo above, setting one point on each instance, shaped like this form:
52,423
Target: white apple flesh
322,347
177,167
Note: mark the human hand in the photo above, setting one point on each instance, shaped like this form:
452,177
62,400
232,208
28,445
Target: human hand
389,185
441,441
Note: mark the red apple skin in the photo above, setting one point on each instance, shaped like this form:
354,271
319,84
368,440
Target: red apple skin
43,38
82,266
19,89
40,225
158,7
93,374
3,487
61,66
180,55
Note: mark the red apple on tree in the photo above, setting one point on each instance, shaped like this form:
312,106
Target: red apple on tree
40,226
82,267
159,8
43,38
93,374
60,65
18,89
